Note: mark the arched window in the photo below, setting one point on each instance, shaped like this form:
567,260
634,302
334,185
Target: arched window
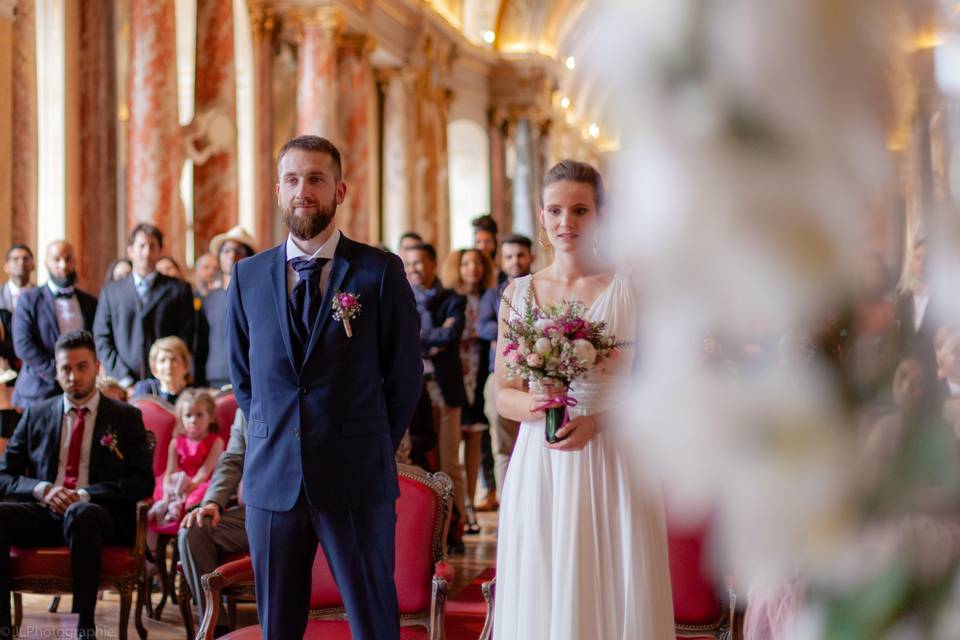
468,150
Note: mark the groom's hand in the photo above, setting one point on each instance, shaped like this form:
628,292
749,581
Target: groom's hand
197,516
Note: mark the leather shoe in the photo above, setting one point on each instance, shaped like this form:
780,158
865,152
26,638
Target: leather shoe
489,503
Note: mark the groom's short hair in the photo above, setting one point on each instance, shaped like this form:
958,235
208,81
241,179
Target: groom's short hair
314,144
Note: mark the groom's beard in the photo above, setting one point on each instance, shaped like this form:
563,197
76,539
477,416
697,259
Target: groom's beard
306,226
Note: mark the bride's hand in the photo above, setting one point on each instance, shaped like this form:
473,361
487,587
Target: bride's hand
575,434
541,395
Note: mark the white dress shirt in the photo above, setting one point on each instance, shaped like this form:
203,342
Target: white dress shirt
66,430
919,309
16,292
142,285
328,250
69,317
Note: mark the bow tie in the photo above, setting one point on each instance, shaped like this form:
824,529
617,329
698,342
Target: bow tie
64,294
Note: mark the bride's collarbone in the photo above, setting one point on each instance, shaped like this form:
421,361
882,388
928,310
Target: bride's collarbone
586,289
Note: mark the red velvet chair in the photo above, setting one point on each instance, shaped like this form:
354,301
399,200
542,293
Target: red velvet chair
700,608
422,575
226,410
122,569
158,417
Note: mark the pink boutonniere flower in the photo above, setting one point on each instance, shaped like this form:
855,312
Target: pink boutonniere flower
346,306
109,440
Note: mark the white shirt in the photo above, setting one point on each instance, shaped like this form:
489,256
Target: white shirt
69,317
142,285
16,292
328,250
919,309
66,430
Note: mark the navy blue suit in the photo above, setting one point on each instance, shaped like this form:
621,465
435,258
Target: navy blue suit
35,332
442,343
319,464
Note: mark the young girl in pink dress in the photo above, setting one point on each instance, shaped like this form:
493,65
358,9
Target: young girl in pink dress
193,453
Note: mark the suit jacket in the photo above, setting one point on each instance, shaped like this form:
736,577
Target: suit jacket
917,343
225,481
36,330
125,327
32,455
442,344
212,349
331,425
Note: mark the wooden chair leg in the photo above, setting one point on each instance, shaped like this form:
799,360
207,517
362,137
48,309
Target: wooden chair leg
54,604
17,610
163,575
126,599
232,613
147,589
142,595
184,601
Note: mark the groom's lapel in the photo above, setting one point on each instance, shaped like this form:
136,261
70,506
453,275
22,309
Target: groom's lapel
278,274
341,265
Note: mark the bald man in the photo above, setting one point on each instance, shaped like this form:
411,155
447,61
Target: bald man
42,315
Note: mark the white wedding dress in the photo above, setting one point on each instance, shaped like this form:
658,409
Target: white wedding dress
582,545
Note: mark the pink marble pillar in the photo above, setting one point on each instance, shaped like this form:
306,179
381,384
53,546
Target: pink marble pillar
96,231
154,142
215,181
263,25
23,203
317,75
357,95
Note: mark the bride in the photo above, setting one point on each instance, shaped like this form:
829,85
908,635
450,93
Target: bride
582,549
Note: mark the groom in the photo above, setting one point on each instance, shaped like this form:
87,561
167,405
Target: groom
326,411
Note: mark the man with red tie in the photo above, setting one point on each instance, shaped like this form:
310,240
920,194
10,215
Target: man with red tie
73,471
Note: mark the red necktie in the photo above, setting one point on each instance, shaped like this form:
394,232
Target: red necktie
72,472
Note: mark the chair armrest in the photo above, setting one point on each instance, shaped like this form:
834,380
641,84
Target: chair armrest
489,593
140,543
444,570
213,585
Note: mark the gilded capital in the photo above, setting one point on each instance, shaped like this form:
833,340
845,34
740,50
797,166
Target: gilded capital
362,43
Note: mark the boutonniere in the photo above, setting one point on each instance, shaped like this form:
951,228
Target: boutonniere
346,306
109,440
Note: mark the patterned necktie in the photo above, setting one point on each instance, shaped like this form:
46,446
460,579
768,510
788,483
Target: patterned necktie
305,297
72,472
142,288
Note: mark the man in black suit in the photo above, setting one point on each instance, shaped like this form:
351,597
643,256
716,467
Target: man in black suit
75,468
916,315
46,313
136,311
442,318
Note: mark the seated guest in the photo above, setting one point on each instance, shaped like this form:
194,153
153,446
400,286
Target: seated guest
216,528
212,346
48,312
136,311
117,270
66,486
192,455
441,325
169,267
170,365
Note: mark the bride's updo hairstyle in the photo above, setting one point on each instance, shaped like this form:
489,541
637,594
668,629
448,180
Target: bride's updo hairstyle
574,171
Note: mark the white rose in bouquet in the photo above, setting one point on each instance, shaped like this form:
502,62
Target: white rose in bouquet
585,351
543,346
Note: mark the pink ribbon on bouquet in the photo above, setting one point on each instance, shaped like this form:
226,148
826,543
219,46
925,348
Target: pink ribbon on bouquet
557,401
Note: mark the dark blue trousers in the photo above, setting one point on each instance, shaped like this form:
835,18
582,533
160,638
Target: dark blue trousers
359,546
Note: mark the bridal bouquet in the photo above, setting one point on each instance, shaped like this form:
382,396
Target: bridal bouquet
555,346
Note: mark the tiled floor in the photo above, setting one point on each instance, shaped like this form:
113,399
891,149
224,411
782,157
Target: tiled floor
38,624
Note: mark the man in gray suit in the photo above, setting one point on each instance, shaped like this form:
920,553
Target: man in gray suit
214,530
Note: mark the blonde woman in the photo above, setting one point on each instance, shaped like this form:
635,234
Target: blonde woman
170,365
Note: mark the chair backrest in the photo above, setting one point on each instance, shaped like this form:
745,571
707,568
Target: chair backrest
226,410
697,596
159,419
423,515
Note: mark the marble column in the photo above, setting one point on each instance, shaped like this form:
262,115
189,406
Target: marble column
155,146
317,74
6,121
524,176
263,24
96,231
356,91
215,180
499,183
399,111
24,170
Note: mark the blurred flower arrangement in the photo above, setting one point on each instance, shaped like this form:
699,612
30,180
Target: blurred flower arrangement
754,158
